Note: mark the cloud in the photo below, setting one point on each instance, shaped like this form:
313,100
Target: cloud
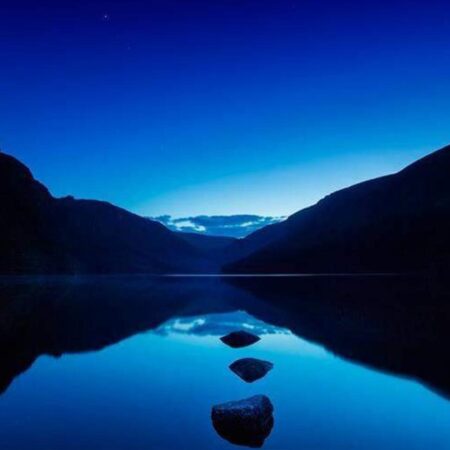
238,225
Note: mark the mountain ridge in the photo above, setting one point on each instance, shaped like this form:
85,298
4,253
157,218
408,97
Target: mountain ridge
42,234
394,223
391,223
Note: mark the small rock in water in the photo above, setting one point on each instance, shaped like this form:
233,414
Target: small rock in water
244,422
238,339
251,369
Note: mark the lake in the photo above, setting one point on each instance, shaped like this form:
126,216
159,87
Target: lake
137,362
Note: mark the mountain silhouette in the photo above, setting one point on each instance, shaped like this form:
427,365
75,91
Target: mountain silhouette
396,223
41,234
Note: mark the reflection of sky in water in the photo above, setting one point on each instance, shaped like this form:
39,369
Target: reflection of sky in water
219,324
155,391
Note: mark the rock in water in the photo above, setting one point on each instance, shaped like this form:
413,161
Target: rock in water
251,369
238,339
244,422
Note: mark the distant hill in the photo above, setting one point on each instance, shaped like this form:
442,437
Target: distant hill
396,223
208,243
42,234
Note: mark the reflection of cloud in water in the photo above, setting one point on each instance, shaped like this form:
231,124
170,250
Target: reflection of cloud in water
218,325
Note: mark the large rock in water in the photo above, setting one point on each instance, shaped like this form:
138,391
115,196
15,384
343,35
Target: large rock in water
238,339
244,422
251,369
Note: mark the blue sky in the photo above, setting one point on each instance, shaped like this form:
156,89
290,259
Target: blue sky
221,107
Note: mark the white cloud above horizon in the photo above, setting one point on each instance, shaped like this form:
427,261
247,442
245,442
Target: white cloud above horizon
237,225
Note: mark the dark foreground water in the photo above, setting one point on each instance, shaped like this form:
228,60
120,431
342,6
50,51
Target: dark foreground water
136,363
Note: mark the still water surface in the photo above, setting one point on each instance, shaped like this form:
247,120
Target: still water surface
154,389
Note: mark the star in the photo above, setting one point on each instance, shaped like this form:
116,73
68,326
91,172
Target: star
106,17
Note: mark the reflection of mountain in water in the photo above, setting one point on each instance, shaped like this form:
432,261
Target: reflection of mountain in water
218,325
60,315
395,325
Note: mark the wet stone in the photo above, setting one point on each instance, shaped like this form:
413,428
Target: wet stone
245,422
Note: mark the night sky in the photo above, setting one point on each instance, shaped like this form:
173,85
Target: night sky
221,107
